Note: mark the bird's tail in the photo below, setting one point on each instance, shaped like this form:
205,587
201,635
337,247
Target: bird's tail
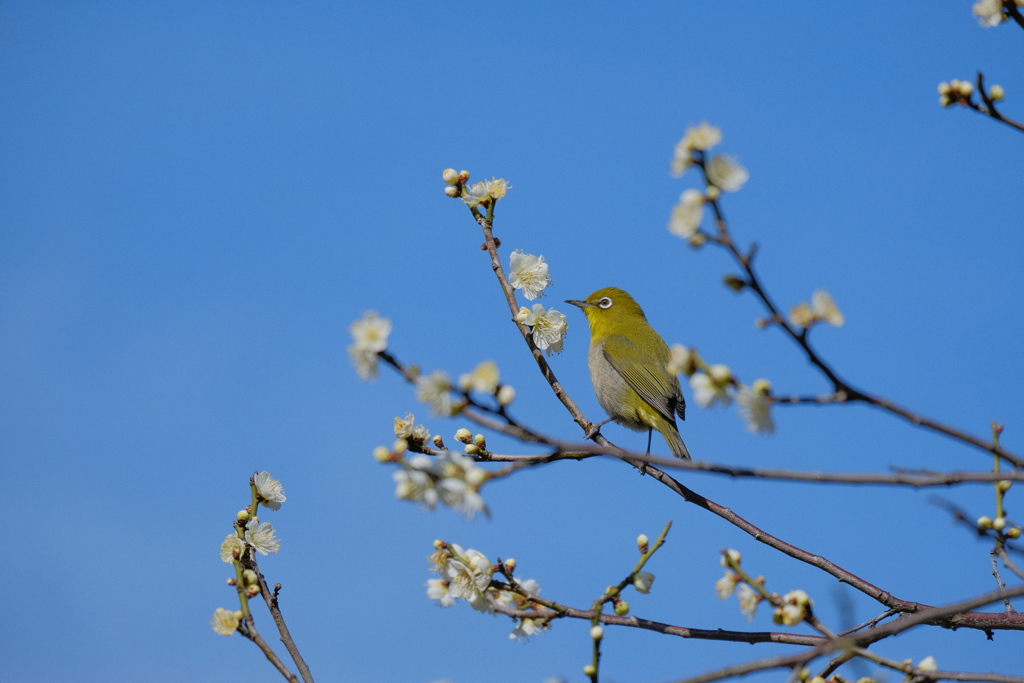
674,441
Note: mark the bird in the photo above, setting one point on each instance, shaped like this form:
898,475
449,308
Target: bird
627,362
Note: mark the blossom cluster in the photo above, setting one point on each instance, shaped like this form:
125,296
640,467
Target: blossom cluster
548,327
250,535
991,12
449,477
486,379
790,609
713,384
722,172
482,193
468,575
959,92
370,337
822,308
749,598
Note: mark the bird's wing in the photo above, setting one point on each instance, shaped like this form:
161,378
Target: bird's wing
649,379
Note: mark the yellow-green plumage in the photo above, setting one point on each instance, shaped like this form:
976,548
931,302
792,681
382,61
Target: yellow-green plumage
627,366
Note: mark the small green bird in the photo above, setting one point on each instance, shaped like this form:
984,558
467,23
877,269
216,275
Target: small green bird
627,366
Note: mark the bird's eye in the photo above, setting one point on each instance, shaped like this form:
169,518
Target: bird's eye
605,303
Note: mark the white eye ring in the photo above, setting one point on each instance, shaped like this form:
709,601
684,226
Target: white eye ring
605,303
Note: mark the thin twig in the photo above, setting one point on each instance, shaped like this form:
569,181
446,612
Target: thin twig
843,392
250,632
271,598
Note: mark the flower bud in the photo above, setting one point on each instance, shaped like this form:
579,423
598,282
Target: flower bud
712,193
242,515
621,608
463,436
735,283
999,523
943,90
252,591
733,555
944,101
438,544
400,446
480,440
451,176
510,565
438,441
1003,485
1013,532
804,674
642,581
463,176
249,577
451,191
996,92
697,240
471,449
506,394
817,679
597,632
589,670
381,454
984,522
238,614
928,664
642,541
232,581
965,88
476,476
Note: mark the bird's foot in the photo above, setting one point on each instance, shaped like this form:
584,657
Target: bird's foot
595,429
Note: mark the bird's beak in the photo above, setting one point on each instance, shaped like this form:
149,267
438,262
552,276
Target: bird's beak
577,302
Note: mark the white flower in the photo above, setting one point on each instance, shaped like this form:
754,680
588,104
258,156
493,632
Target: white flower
790,615
713,386
435,390
260,535
687,214
989,12
497,187
725,585
824,307
416,486
232,544
460,496
269,490
755,406
486,190
725,173
548,327
438,590
928,664
748,598
801,315
682,360
642,581
483,379
468,574
702,137
730,554
506,394
225,622
528,627
798,597
406,429
528,273
370,334
404,426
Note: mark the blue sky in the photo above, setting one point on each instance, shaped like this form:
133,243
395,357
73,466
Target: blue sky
197,200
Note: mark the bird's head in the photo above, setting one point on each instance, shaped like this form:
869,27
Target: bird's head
610,311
